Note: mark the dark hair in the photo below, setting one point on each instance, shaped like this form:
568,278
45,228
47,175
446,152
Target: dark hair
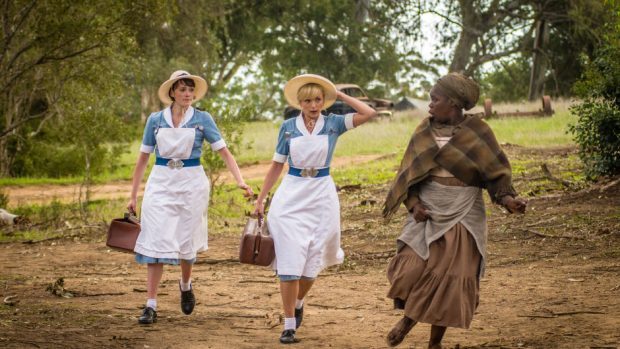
187,82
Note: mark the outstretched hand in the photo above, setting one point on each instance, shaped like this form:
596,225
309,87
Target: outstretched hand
514,205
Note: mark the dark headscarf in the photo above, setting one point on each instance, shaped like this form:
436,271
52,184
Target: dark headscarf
461,90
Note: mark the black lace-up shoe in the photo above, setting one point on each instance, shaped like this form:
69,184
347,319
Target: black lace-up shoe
188,301
149,316
288,337
299,315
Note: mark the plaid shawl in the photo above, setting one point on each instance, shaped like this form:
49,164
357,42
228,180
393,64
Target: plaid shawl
472,155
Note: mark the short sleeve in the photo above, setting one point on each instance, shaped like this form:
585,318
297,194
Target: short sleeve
212,134
282,149
148,138
343,123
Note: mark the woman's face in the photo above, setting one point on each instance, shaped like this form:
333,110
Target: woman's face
183,95
441,107
311,107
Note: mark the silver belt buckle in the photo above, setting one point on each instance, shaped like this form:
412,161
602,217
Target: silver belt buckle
175,164
309,172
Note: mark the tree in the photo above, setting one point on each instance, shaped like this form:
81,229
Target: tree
44,46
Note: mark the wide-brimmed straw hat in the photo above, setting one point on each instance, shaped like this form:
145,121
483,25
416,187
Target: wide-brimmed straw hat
292,87
199,90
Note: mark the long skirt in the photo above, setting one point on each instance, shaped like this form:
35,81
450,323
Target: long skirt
442,290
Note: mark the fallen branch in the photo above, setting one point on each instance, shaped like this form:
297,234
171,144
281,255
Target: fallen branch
554,314
58,237
217,261
349,187
330,307
609,185
10,300
79,294
553,178
256,281
372,255
542,235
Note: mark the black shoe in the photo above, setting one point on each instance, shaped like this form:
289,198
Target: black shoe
288,337
299,315
149,316
188,301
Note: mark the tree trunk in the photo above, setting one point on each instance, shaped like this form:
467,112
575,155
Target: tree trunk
462,52
539,61
5,159
467,37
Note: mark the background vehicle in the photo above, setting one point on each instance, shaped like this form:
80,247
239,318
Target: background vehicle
382,106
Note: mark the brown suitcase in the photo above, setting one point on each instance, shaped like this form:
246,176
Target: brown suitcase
123,233
256,245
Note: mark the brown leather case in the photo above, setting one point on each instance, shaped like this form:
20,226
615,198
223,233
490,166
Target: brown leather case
256,245
123,233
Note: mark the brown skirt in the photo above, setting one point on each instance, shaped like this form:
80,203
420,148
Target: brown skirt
442,290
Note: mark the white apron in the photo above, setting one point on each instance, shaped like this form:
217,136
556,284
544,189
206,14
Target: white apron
174,208
304,218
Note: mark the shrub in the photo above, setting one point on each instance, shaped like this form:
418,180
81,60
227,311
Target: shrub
597,131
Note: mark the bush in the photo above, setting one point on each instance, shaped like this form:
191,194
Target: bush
597,131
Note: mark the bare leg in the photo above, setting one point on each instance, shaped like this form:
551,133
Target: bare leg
154,271
437,333
399,331
304,287
289,291
186,271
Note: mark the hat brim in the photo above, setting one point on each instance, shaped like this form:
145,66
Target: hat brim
292,87
199,90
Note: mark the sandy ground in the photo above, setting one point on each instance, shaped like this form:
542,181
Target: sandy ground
553,281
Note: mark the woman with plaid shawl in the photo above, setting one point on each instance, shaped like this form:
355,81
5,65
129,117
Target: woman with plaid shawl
441,252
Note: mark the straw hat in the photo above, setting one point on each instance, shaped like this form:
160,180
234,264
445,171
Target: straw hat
293,85
199,91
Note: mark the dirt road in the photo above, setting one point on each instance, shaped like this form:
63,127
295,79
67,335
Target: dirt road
40,194
553,281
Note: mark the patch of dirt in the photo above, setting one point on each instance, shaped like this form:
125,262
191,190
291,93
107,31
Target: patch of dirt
553,281
41,194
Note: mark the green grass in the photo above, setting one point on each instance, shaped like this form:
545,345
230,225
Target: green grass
378,137
535,132
386,137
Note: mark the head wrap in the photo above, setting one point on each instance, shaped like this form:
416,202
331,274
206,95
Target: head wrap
460,89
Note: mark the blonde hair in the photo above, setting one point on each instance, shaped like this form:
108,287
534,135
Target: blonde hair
310,91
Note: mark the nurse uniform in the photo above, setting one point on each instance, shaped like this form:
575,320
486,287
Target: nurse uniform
304,218
176,197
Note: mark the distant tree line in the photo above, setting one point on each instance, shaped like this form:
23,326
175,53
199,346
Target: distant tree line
77,77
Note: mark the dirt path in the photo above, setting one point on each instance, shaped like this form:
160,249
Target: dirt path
40,194
553,281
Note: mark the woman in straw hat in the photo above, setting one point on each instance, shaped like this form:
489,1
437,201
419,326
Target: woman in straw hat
441,252
176,198
304,218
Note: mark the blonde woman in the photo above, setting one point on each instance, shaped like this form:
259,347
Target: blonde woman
176,198
304,218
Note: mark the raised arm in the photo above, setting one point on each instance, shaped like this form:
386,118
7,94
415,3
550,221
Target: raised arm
232,166
364,112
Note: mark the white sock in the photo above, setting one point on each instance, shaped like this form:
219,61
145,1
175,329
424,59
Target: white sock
299,303
151,303
289,323
186,286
